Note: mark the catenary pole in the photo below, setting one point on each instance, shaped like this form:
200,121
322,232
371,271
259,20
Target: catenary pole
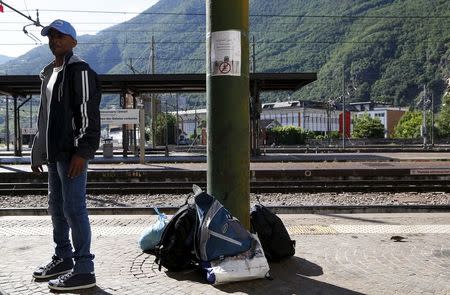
343,107
432,119
7,124
35,22
153,96
228,118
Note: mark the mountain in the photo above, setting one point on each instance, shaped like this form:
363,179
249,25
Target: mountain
381,50
4,58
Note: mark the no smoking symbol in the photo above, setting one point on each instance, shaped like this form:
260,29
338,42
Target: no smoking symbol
224,67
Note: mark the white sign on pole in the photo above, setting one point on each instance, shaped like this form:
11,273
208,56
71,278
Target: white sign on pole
29,131
225,53
119,117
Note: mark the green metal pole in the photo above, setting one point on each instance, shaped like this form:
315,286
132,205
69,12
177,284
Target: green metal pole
228,118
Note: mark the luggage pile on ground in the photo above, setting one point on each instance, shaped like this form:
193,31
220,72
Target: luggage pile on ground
205,235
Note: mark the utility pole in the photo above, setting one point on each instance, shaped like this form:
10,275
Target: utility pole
228,115
177,123
35,22
195,123
153,96
253,55
31,111
255,109
17,150
151,64
166,134
131,66
424,116
425,103
125,137
343,107
432,119
134,135
329,122
7,124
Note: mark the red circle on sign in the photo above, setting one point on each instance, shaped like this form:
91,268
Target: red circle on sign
224,67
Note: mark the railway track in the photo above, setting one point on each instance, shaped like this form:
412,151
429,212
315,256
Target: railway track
40,211
274,186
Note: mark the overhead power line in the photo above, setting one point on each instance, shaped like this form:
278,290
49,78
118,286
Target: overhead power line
258,15
257,42
121,12
352,16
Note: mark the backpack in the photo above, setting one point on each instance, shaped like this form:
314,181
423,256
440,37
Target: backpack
175,250
218,234
272,233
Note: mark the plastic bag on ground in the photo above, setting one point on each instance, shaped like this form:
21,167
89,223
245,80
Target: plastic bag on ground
151,236
249,265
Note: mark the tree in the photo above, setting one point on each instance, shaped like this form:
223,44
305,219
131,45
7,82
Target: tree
443,119
365,126
409,125
164,121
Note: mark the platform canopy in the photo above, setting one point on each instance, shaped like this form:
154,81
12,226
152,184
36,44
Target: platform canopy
25,85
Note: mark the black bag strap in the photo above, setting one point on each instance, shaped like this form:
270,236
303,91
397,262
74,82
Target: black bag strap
187,198
257,199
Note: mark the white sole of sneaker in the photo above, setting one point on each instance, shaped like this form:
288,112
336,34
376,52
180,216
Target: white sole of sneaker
52,275
71,288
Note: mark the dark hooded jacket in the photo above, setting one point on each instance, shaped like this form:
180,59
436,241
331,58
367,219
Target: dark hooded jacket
72,123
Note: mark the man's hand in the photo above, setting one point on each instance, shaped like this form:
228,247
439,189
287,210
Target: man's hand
37,169
76,166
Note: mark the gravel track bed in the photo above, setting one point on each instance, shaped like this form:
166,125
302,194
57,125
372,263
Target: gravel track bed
272,199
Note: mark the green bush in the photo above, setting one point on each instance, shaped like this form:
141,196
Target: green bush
287,135
367,127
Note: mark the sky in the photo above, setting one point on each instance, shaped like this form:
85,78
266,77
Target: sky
13,42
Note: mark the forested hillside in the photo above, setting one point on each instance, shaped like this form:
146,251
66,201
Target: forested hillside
4,58
382,50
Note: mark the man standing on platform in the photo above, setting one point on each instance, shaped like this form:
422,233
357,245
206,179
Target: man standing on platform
68,136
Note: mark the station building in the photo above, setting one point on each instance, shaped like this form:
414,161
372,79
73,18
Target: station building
309,115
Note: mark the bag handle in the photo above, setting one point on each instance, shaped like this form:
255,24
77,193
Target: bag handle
157,211
257,199
161,216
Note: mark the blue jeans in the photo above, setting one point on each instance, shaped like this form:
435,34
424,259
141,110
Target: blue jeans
67,207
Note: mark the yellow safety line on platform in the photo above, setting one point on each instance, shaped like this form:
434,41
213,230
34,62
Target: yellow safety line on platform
311,230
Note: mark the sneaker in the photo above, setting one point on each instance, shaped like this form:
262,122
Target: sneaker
73,281
55,267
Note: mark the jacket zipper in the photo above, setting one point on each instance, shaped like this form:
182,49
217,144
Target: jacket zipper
50,105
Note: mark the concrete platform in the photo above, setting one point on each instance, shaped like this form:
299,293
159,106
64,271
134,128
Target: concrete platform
440,167
183,157
335,254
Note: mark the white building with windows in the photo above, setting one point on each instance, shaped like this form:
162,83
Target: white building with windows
309,115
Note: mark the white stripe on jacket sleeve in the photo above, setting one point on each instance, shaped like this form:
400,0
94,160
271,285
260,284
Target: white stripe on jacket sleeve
83,106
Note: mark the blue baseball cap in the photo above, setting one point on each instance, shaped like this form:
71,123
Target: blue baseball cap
61,26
